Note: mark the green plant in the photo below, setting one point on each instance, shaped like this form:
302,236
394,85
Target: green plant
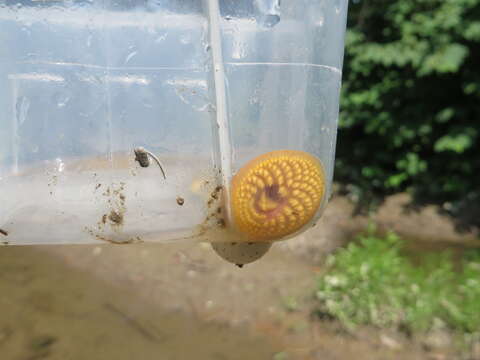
409,109
373,282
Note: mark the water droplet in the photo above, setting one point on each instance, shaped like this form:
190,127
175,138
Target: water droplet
320,20
185,39
59,165
161,38
22,106
338,6
239,50
146,103
130,56
61,99
193,92
270,20
268,12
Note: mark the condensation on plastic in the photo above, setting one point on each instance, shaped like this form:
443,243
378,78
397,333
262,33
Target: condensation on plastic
82,83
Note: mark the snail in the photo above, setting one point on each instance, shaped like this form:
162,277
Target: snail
272,197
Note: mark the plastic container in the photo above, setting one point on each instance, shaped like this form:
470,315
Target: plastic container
205,86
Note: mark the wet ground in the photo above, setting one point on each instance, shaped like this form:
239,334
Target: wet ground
173,306
50,310
180,301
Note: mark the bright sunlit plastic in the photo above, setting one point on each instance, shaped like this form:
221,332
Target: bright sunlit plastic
237,100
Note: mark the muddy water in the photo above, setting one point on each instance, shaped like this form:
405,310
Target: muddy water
49,310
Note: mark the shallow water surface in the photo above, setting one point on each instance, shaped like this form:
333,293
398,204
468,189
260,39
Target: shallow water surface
51,311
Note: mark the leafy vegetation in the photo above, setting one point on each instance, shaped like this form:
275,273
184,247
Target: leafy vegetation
373,282
410,118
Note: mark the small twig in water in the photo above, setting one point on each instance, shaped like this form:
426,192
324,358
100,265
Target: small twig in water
132,322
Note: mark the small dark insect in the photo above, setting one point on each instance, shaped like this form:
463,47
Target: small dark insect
239,265
180,201
143,157
3,232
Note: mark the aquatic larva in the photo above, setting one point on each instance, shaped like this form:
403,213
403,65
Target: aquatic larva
143,156
276,194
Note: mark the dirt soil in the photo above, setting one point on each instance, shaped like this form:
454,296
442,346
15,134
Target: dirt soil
181,301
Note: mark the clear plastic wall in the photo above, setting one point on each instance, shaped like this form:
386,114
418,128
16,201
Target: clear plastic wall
205,86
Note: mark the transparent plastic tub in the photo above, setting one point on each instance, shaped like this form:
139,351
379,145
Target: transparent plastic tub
207,86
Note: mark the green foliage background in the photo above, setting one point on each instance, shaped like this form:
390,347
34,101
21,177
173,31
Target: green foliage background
373,281
410,107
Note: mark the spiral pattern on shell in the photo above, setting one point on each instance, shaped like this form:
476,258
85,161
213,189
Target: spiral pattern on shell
276,194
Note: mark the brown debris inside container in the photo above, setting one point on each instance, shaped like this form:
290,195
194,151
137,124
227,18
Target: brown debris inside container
180,201
216,193
97,236
3,232
115,217
117,242
214,218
